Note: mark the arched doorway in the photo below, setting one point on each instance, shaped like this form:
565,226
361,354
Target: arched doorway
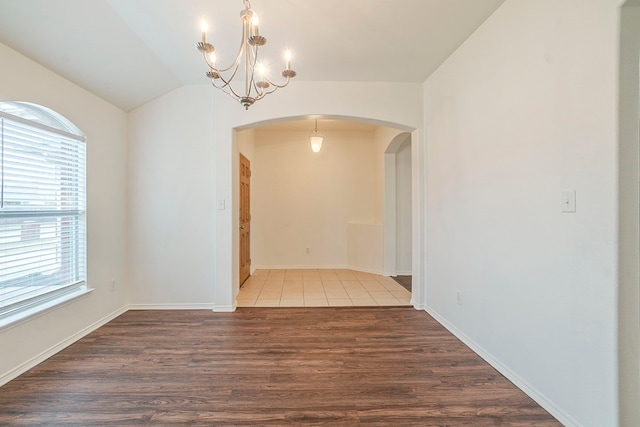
415,205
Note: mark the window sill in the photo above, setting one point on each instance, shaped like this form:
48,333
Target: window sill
33,312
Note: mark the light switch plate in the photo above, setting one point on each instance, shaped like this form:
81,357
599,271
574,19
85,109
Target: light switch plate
221,204
568,201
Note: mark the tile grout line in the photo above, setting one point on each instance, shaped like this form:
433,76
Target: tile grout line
272,284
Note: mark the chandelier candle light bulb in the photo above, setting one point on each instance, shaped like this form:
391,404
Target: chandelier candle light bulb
287,58
255,87
204,27
262,72
254,25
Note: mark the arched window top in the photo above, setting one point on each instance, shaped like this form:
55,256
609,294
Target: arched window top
39,114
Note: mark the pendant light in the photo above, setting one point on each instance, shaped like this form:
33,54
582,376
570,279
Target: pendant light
316,139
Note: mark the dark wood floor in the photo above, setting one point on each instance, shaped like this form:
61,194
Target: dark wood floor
404,281
269,366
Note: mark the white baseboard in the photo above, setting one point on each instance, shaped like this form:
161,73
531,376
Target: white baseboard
540,398
170,307
224,308
397,273
315,267
366,270
299,267
34,361
417,306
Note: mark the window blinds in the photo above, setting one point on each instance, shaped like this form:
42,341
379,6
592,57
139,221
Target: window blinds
42,213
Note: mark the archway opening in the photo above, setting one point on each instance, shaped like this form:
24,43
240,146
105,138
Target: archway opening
390,135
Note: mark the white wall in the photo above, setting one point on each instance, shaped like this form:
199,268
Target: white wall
184,153
365,247
246,143
303,199
171,203
629,239
403,208
105,126
525,109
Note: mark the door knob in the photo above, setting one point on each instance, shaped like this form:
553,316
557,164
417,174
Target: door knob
242,227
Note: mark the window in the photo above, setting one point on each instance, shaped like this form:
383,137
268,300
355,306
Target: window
42,207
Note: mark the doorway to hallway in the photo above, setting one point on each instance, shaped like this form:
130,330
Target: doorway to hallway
302,199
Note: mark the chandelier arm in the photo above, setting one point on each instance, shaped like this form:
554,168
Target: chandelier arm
267,92
253,60
247,63
228,89
236,61
261,91
255,88
222,88
227,84
251,56
218,70
274,87
264,93
278,86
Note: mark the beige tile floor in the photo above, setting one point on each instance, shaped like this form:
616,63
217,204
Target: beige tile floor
320,288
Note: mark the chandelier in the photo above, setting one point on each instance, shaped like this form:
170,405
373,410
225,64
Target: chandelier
257,84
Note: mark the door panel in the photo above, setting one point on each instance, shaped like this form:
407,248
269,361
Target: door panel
245,218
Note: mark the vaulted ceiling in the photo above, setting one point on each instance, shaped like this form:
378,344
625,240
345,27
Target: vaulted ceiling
131,51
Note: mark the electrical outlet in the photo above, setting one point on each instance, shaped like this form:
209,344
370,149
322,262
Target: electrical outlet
459,297
113,285
307,251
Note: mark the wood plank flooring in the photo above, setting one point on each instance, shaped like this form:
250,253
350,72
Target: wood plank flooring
269,366
404,281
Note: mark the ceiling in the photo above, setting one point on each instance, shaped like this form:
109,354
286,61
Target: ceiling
129,52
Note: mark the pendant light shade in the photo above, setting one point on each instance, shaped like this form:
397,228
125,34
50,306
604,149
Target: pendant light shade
316,139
